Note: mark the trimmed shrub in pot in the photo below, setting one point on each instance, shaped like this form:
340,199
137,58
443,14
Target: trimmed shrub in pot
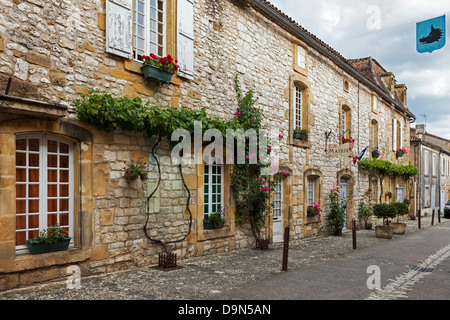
384,211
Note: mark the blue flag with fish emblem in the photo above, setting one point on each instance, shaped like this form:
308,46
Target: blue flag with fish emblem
431,34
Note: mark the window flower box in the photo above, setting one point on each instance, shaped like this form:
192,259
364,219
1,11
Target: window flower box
38,248
154,73
160,69
52,239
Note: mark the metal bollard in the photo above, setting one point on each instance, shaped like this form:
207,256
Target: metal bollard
285,249
354,235
418,220
432,218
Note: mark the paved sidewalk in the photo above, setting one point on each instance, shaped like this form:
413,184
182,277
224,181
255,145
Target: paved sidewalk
206,277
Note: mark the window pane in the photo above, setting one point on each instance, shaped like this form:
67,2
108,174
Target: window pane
33,160
21,238
64,205
64,176
33,191
21,159
52,220
21,144
64,219
21,206
52,175
33,206
52,146
33,175
52,205
21,222
52,190
33,234
33,221
34,145
52,161
64,162
21,175
21,190
64,190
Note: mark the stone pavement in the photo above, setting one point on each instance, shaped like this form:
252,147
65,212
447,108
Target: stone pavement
206,277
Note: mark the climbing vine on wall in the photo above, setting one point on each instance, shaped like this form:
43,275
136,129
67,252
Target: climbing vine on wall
252,190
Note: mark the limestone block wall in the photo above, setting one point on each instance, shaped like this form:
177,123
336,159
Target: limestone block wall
53,51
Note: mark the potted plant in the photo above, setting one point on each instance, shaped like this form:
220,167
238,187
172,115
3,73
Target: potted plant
384,211
338,207
134,170
54,238
313,210
347,140
160,69
301,134
365,208
375,153
214,221
401,152
402,209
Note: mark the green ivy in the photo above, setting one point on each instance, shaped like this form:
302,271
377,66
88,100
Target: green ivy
385,167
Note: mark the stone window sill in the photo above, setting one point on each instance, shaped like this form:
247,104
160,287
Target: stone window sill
311,220
301,143
217,233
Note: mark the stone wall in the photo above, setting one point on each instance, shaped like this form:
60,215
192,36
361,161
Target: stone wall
56,50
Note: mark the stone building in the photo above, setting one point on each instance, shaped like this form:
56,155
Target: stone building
431,155
57,169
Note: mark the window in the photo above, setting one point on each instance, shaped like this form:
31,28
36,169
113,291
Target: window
298,107
427,196
399,194
310,192
345,122
426,161
373,134
44,186
278,200
301,57
212,188
374,102
434,165
148,28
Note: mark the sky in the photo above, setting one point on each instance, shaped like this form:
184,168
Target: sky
386,31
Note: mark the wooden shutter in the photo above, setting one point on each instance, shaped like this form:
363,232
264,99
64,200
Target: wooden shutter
119,32
394,135
401,134
185,38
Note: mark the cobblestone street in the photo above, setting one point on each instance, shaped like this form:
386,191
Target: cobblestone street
206,277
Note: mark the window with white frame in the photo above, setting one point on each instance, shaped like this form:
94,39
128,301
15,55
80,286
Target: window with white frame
310,191
426,161
148,28
44,186
399,194
433,165
212,188
278,200
298,107
301,57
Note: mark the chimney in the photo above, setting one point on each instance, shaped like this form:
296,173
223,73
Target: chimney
400,91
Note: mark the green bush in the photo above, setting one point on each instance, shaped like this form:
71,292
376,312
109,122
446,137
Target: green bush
385,211
402,208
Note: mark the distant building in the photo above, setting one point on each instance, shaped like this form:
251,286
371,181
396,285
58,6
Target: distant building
431,154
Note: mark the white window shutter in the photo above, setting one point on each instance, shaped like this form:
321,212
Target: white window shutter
119,31
394,135
185,38
401,134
